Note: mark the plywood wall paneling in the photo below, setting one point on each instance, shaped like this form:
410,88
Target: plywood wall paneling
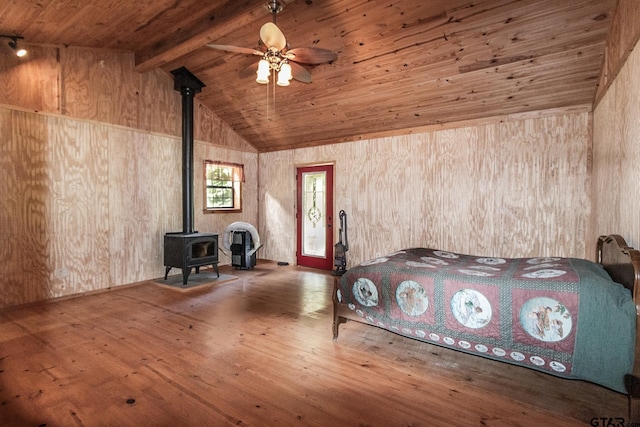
165,186
405,190
160,107
25,183
616,154
277,199
228,137
371,223
607,166
424,226
515,187
145,180
7,181
250,203
552,157
100,85
472,195
206,129
210,128
32,82
455,184
79,225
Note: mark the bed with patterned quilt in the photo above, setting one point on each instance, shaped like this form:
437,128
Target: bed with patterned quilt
562,316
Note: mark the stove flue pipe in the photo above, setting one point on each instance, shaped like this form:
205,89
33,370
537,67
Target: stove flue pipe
188,85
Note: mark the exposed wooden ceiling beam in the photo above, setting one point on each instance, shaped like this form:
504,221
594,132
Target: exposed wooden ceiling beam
211,27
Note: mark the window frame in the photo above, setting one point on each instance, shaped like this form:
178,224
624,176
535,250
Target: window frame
236,186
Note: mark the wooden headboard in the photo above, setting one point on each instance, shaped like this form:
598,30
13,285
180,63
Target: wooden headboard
620,261
623,265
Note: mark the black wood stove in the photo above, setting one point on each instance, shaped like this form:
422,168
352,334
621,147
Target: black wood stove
188,249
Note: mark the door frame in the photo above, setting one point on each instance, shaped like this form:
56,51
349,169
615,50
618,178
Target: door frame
327,262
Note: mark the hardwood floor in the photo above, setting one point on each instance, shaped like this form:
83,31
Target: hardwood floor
257,351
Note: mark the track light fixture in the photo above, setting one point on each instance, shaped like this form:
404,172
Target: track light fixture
13,44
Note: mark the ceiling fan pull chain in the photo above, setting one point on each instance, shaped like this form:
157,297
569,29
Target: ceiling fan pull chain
274,91
268,100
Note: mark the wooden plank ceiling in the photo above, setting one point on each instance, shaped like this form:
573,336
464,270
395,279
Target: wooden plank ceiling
403,64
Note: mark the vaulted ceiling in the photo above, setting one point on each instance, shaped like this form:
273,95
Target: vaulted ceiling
402,64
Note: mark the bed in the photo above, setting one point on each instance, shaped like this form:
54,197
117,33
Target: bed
561,316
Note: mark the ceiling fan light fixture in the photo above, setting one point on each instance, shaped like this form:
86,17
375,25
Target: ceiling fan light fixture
264,69
276,56
284,75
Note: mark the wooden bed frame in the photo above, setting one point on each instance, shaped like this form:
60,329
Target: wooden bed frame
623,265
619,260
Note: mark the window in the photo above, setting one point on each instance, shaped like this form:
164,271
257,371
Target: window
223,186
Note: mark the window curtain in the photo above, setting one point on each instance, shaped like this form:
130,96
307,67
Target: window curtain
238,169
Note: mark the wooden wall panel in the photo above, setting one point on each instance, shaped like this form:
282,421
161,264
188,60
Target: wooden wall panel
166,186
160,105
277,200
32,83
25,212
7,178
453,151
100,85
207,128
380,185
86,205
145,185
546,162
79,186
210,127
516,187
484,198
616,155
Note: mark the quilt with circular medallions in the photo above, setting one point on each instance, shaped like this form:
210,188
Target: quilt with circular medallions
563,316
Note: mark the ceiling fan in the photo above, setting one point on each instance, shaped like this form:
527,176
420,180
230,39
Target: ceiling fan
276,55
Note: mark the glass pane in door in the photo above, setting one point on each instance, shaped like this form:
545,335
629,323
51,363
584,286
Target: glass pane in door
314,224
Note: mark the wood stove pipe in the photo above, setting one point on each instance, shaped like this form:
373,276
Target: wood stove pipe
188,85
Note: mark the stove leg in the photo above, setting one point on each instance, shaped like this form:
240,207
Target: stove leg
215,267
185,275
166,272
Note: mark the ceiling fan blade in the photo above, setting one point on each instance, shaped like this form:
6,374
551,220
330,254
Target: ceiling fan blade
236,49
300,73
311,55
271,36
249,71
